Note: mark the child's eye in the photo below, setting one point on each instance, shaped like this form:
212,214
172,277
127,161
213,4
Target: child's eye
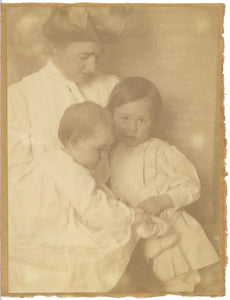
104,149
124,118
86,56
141,120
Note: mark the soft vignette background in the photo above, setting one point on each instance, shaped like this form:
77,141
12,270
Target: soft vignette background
175,47
227,87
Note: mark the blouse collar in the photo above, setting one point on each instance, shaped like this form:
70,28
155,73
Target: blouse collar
51,68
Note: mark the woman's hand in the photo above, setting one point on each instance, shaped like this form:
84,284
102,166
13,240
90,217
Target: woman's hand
155,205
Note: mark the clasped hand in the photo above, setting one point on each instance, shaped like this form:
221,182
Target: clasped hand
155,205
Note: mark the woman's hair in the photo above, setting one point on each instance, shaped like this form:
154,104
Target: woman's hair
80,121
80,23
132,89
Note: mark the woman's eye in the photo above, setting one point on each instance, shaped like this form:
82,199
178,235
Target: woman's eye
101,149
84,57
124,118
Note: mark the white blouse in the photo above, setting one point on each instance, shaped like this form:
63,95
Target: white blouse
35,106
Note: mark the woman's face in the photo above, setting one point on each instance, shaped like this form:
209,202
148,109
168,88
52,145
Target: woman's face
76,60
133,121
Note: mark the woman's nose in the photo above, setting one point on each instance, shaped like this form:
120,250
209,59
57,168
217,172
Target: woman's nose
102,154
91,64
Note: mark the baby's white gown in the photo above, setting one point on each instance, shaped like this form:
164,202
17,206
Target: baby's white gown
66,234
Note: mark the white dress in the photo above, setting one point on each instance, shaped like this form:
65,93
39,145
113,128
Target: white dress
155,168
35,106
65,225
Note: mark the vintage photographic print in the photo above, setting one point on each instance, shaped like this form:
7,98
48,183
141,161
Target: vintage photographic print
113,150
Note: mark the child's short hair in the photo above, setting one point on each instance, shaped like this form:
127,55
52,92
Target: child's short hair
132,89
80,121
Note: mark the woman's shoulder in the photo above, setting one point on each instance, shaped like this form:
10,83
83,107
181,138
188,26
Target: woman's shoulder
99,87
29,82
44,73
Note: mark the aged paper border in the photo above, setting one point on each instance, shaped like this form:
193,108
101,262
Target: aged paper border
4,172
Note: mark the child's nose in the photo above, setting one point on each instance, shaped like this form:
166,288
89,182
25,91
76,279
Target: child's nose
132,126
91,64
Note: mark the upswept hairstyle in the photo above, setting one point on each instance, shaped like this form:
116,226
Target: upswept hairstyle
81,23
132,89
80,121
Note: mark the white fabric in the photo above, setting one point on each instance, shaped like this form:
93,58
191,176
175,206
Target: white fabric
185,282
155,168
62,223
151,169
35,106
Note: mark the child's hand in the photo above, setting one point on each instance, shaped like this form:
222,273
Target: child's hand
141,217
154,205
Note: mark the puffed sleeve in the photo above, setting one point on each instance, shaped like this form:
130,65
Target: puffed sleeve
19,143
98,89
92,205
183,181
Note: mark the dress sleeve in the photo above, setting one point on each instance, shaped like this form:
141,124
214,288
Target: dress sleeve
183,181
93,206
19,142
98,89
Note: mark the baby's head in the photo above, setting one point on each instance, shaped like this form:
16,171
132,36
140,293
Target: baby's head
134,103
86,130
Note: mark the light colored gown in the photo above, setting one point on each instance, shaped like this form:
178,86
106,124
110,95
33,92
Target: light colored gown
69,235
34,108
155,168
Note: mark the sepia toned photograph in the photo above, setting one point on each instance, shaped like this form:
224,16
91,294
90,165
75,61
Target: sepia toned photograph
113,150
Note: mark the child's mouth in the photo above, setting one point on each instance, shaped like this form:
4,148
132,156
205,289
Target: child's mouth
130,137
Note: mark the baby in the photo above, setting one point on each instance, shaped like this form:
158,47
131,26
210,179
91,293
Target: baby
74,234
150,174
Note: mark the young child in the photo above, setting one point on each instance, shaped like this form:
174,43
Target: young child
67,233
151,174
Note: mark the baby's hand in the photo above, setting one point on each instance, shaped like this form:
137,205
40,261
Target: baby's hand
154,205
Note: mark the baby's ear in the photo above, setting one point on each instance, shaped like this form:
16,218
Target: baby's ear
74,140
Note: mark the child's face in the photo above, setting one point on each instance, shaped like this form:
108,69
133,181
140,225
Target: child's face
133,121
89,151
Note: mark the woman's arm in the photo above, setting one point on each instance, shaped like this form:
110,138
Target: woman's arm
19,141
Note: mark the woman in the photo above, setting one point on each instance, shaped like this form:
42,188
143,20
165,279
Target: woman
37,102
